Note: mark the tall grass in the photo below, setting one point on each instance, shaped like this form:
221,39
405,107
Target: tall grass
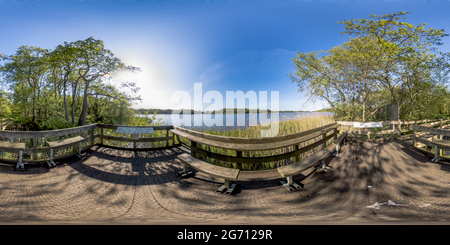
285,127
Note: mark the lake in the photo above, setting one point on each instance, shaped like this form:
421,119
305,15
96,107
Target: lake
232,121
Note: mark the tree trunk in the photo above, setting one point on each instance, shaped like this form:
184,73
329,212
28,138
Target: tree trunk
65,103
74,96
82,120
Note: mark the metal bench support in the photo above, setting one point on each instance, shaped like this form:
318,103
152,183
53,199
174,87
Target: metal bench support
185,172
51,163
20,164
435,159
291,185
79,155
336,154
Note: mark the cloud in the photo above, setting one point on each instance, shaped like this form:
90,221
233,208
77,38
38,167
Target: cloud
214,72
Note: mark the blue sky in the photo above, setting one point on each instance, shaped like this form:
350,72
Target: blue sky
227,45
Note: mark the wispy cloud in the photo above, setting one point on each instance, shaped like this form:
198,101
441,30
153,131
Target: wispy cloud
214,72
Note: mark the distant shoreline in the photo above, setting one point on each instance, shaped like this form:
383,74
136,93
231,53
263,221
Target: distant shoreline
247,111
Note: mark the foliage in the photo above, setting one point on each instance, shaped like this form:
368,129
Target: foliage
53,88
385,62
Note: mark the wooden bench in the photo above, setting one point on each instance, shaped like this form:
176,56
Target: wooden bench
290,170
227,174
199,140
54,145
15,148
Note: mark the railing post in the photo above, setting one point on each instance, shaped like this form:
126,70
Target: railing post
101,135
35,144
297,157
167,135
92,137
440,136
239,154
193,147
324,145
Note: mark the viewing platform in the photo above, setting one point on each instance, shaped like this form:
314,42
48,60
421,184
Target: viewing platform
113,184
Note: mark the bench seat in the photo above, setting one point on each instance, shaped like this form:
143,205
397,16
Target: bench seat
15,148
12,147
60,144
298,167
290,170
65,142
340,138
221,172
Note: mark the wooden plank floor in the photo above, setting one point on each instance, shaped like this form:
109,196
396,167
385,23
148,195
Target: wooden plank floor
117,186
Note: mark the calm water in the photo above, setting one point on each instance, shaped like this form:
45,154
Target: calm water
232,121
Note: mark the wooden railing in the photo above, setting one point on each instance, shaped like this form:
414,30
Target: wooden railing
432,137
395,127
216,149
233,152
144,141
37,149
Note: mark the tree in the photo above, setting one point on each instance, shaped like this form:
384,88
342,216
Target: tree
399,43
342,77
26,72
5,106
42,82
95,62
386,61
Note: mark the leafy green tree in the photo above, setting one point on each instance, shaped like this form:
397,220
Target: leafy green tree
95,62
386,61
43,82
399,43
26,72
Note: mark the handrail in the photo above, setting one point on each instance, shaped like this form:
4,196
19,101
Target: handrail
260,140
201,143
293,141
433,140
165,138
36,141
369,131
294,144
388,123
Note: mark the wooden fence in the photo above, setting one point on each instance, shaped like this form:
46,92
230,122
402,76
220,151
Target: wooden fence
37,149
216,149
432,137
243,150
396,127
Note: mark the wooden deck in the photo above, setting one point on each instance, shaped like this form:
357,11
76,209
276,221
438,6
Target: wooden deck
119,186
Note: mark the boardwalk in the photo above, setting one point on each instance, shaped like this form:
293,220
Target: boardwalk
124,187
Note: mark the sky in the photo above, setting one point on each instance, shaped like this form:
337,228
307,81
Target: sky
228,45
